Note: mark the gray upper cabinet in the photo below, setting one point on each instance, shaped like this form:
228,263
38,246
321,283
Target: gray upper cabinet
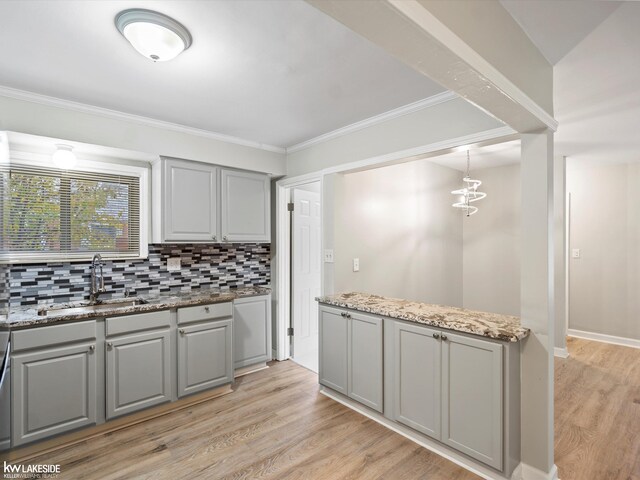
138,372
204,356
189,202
332,368
472,411
365,360
251,330
53,391
417,366
245,205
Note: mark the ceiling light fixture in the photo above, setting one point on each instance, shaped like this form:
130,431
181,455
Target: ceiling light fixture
153,34
469,193
64,157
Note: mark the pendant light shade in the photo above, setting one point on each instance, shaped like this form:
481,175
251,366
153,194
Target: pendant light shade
152,34
64,157
469,193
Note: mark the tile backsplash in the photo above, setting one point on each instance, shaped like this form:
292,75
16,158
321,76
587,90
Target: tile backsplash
202,266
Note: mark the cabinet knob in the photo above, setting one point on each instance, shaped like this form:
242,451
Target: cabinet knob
206,309
215,237
436,335
224,238
343,314
348,315
92,348
181,331
444,337
109,345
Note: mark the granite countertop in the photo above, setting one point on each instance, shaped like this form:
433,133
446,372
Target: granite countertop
24,317
492,325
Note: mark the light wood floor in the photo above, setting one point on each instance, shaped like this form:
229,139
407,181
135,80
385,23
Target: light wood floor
276,426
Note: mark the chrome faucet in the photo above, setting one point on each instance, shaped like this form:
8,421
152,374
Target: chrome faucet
97,279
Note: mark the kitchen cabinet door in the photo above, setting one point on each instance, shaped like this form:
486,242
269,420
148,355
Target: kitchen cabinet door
53,391
365,359
245,206
204,356
417,370
472,397
189,202
138,372
332,365
251,330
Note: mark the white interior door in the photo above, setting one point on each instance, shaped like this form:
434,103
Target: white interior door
306,276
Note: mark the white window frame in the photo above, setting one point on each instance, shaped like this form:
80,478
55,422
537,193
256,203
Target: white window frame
102,165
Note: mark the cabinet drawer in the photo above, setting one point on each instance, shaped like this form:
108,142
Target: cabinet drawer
53,335
137,323
204,312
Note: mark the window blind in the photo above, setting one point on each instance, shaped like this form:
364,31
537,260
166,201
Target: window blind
52,214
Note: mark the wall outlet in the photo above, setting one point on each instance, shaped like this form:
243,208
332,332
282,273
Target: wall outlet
328,256
173,264
575,253
356,264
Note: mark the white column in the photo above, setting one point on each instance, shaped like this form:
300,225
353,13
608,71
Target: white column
537,306
560,253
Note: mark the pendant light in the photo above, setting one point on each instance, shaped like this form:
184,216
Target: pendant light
469,193
64,157
152,34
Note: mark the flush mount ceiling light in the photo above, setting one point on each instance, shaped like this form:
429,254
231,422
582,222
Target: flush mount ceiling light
64,157
469,193
153,34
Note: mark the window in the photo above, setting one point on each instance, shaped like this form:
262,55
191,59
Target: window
50,214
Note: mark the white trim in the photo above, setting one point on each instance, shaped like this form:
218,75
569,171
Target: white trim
601,337
430,445
417,13
368,122
561,352
412,153
128,117
282,258
532,473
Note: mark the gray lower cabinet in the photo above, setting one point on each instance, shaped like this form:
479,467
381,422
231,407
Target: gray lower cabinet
251,330
138,373
204,356
472,410
416,382
332,366
351,360
365,360
53,391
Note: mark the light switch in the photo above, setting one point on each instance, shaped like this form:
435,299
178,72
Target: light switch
356,264
328,256
173,264
575,253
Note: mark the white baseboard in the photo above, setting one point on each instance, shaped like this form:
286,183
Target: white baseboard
561,352
532,473
601,337
421,440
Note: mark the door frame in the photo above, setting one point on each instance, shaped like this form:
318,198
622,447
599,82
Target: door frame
283,256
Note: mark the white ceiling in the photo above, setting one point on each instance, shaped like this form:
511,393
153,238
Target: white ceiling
276,72
557,26
488,156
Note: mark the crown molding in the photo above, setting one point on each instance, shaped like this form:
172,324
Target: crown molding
127,117
368,122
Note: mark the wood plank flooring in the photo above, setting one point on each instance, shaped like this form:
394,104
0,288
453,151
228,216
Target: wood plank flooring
277,426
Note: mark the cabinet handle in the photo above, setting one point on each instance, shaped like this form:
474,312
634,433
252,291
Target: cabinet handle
92,348
215,238
109,345
348,315
181,331
206,309
343,314
224,238
444,337
436,336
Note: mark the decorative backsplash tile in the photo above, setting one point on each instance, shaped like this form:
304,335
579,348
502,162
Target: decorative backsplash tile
202,266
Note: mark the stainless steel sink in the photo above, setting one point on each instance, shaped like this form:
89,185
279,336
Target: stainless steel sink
90,307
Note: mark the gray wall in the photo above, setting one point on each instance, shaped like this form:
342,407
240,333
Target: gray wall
399,222
604,284
491,244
